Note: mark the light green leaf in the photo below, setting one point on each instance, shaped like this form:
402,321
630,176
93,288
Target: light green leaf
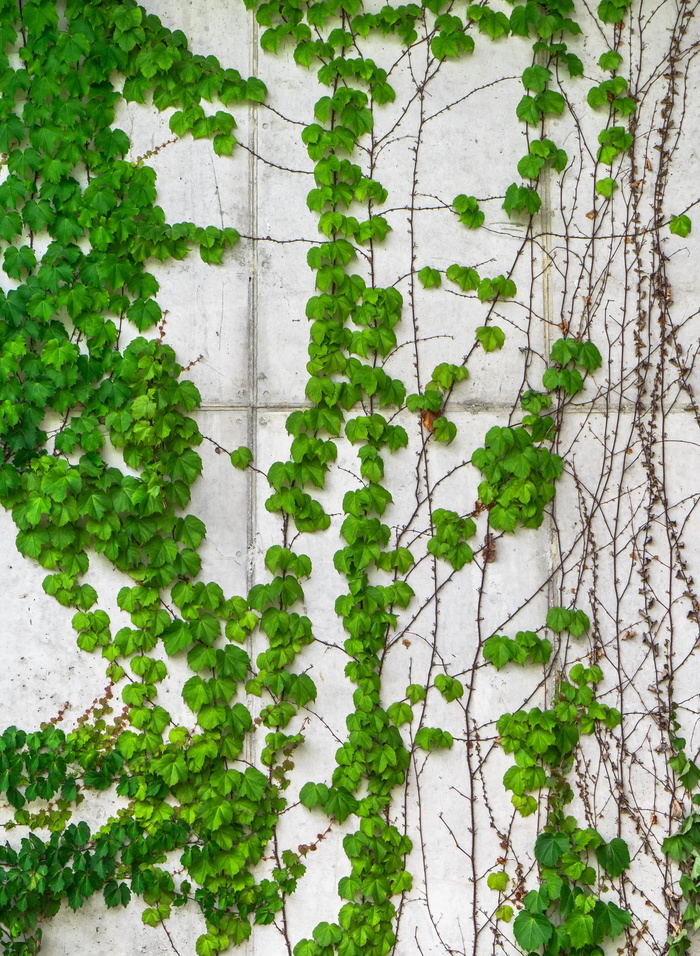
450,688
681,226
605,187
610,60
491,337
498,881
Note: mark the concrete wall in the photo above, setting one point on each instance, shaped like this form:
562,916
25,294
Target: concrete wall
618,541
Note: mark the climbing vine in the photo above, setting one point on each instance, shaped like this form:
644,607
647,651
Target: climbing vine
355,691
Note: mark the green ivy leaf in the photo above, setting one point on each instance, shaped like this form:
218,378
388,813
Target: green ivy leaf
450,688
605,187
550,102
528,110
610,60
521,199
536,78
224,144
558,619
400,713
680,226
328,934
10,224
307,947
18,261
497,650
444,430
432,738
196,693
611,11
241,457
208,944
151,917
467,207
498,881
549,848
116,894
614,856
530,166
491,337
430,278
415,693
467,279
578,623
579,928
532,930
573,64
340,803
609,920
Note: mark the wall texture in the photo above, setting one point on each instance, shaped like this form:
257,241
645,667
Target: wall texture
597,263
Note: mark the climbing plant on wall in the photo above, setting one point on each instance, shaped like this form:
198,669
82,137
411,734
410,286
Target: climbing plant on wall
533,760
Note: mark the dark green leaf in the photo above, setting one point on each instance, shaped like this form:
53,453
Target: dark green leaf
614,856
549,848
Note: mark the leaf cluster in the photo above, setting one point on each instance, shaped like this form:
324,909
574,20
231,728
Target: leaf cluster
519,474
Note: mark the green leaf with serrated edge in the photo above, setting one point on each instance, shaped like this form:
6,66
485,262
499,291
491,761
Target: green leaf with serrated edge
415,692
550,101
491,337
432,738
573,64
578,623
497,650
624,105
497,881
444,430
680,226
549,848
467,207
467,279
241,457
540,652
327,934
578,927
529,167
430,278
558,619
536,78
339,803
609,920
532,930
528,110
610,60
597,96
208,944
307,947
525,805
450,688
399,713
605,187
614,856
446,374
116,894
